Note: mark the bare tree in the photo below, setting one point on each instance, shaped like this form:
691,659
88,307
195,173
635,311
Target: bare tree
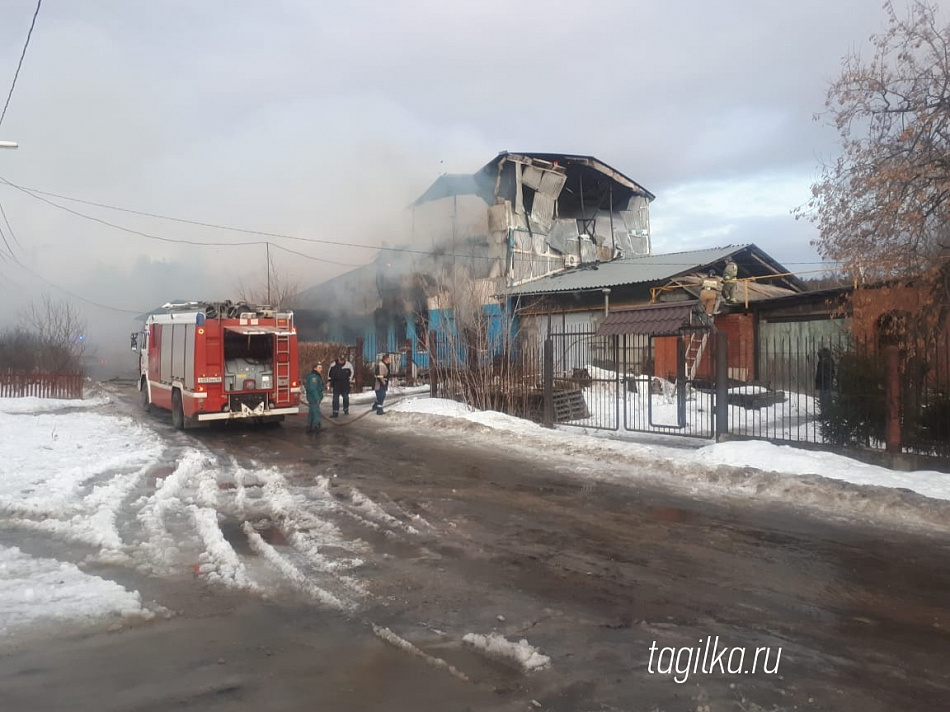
280,290
58,334
883,208
481,359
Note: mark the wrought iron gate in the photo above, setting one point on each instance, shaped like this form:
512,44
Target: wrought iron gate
617,382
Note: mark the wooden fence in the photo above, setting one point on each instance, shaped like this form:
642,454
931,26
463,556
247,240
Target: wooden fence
15,384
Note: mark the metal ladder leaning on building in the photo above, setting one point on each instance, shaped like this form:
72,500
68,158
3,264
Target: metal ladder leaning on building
695,347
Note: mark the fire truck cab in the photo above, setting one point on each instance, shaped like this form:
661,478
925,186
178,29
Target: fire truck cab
208,361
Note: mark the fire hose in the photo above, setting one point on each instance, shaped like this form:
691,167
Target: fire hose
394,399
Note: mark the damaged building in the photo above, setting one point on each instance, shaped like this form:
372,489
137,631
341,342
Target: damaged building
521,217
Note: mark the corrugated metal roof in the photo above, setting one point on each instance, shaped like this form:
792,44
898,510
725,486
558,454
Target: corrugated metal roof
631,270
655,320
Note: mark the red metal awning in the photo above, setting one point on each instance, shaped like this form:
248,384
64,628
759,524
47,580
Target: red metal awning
654,320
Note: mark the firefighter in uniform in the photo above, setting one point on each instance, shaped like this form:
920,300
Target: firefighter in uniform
314,386
709,294
381,385
729,281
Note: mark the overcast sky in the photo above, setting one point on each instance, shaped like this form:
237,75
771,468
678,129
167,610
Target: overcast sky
325,120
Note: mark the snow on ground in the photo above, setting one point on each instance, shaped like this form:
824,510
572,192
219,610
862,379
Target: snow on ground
497,646
791,419
183,523
701,469
790,460
69,472
83,476
47,405
35,592
370,395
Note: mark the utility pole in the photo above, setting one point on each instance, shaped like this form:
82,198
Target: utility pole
267,249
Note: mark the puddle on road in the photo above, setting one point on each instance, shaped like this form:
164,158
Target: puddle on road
159,472
234,534
272,534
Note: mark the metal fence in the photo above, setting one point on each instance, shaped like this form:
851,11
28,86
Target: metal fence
829,390
16,384
618,379
835,391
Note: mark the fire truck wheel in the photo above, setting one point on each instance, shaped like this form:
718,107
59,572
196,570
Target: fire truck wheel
143,397
178,411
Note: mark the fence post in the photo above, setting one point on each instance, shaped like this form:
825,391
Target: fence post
892,400
410,378
433,370
722,384
680,382
548,380
359,364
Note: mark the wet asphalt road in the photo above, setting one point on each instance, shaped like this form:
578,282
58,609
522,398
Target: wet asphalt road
590,573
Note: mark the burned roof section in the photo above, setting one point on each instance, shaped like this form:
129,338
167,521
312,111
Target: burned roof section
590,184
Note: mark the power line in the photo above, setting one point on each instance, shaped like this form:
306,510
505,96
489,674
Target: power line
3,237
20,63
38,194
76,296
262,233
162,238
13,236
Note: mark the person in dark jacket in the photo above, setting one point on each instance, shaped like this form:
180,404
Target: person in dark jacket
314,386
825,376
340,374
381,385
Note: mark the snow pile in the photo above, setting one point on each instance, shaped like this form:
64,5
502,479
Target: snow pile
497,646
795,461
19,406
219,562
434,406
37,591
454,409
393,392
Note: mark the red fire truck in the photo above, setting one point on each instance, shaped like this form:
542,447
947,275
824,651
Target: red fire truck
218,361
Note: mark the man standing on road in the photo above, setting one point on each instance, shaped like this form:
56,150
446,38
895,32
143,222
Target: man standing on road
314,387
340,374
381,385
